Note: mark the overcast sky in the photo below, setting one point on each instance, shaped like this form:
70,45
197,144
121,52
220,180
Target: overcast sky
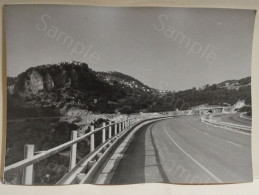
165,48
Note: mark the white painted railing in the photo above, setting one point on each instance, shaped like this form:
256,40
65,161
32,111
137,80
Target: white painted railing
242,115
216,122
88,161
30,158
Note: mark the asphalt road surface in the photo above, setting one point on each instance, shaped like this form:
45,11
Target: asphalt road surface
184,150
235,118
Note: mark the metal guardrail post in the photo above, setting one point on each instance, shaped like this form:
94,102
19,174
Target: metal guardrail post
73,149
92,139
104,132
28,171
110,129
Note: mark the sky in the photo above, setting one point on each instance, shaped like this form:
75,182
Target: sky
165,48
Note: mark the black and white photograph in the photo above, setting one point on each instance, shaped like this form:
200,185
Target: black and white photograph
128,95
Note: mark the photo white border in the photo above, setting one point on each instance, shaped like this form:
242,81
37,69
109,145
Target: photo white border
248,188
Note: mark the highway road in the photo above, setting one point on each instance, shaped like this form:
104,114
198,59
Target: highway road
235,118
184,150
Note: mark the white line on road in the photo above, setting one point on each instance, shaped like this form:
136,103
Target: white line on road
244,117
233,143
206,133
228,129
193,159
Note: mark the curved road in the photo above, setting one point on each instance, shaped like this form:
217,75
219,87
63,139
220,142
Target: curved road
235,118
184,150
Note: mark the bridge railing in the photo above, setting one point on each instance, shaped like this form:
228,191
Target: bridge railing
243,115
217,122
30,159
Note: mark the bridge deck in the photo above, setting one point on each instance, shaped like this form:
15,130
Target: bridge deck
184,150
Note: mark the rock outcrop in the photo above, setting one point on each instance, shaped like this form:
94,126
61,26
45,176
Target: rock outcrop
62,86
51,77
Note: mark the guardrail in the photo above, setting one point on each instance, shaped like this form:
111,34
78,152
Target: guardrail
87,162
213,121
30,158
87,170
242,115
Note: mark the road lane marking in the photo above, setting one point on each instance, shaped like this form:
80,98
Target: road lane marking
233,143
153,170
228,129
244,117
211,134
104,177
206,133
225,140
193,159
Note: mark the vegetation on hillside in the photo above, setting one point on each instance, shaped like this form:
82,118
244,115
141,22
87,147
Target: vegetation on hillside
67,85
247,109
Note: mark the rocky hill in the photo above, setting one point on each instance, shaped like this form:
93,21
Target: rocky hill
51,90
124,81
235,84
